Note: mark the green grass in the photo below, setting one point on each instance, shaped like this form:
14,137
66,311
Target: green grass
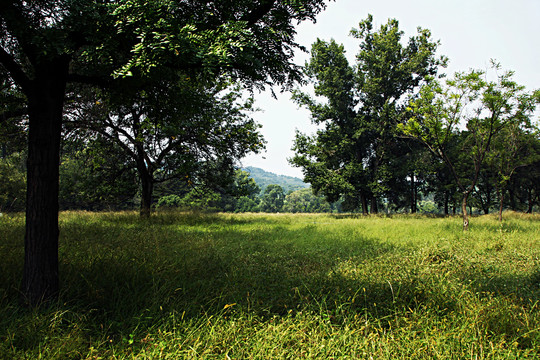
222,286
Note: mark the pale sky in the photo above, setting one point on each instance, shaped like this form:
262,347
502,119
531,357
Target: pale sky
471,33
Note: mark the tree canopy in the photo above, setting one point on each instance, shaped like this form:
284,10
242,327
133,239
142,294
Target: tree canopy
350,155
471,110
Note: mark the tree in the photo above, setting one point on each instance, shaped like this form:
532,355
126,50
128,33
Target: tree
247,204
173,130
350,155
12,124
272,199
12,186
304,201
45,45
94,175
242,187
524,186
238,195
470,109
513,148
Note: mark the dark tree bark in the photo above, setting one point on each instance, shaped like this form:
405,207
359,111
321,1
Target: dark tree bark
413,195
374,207
364,203
46,100
147,188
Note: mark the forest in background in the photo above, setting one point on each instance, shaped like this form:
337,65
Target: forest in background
92,183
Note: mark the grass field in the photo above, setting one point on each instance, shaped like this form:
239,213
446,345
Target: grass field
255,286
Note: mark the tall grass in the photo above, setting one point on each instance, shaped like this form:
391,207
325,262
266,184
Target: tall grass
183,285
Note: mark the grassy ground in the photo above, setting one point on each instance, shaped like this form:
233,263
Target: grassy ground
279,286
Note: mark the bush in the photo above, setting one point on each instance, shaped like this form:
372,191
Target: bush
169,201
13,184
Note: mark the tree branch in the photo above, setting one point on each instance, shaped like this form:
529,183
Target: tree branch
259,12
15,70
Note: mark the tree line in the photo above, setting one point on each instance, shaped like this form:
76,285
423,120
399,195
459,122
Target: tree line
393,127
93,180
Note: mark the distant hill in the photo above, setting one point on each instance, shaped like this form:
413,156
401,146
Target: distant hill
264,178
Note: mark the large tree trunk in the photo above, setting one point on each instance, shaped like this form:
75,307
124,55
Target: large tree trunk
40,280
374,207
364,203
147,188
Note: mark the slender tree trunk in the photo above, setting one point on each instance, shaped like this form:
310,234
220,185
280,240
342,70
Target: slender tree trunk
446,200
40,280
464,211
501,202
416,197
413,195
484,204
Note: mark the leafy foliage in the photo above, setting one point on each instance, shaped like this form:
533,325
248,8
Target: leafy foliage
304,201
272,199
350,155
249,41
13,183
472,111
95,176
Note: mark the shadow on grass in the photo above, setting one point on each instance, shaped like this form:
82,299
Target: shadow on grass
267,270
122,277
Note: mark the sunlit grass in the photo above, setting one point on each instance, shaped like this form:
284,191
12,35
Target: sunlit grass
184,285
